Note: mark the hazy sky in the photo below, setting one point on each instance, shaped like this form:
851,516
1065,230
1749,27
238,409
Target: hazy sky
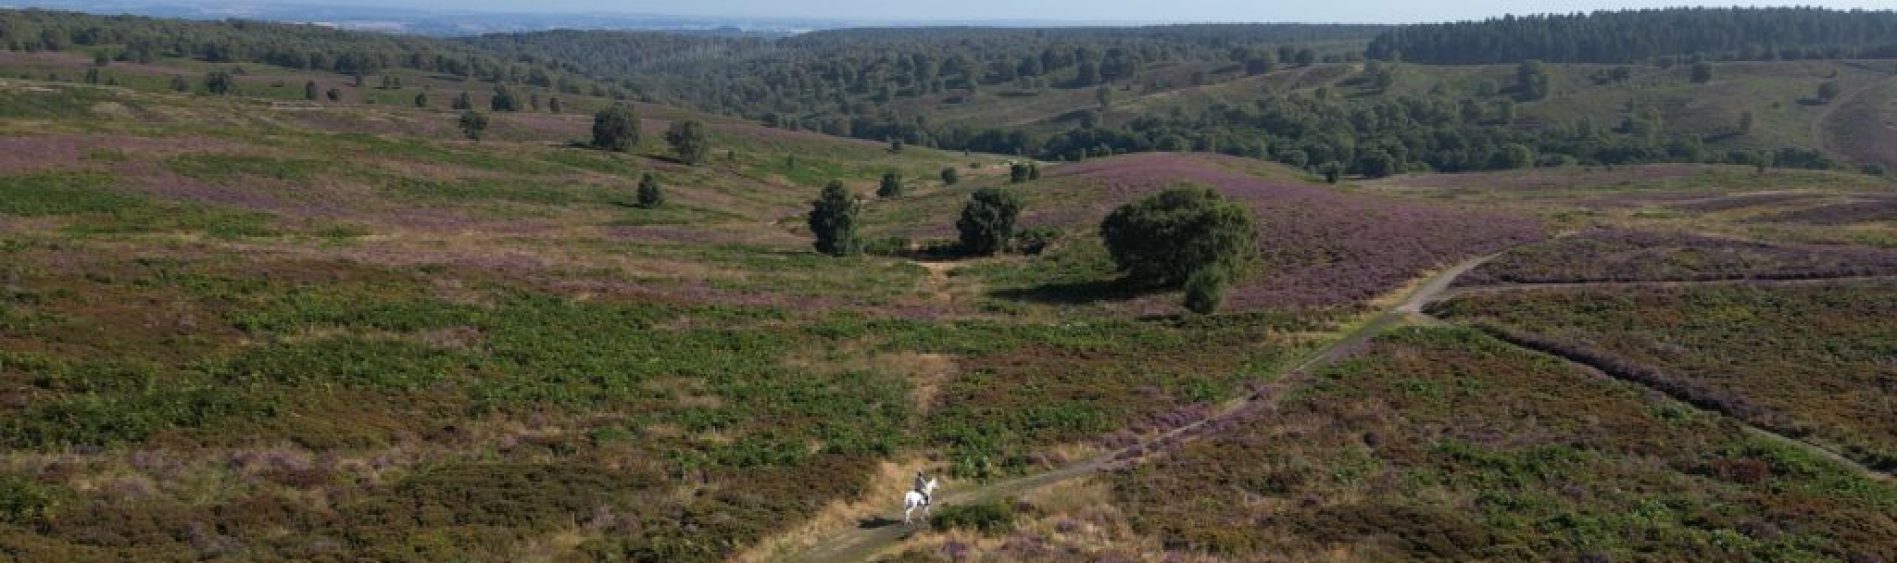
1094,10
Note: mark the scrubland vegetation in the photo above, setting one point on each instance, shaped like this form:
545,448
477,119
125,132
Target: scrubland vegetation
1804,360
276,292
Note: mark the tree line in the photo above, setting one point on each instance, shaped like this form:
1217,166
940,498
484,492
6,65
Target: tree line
305,47
1642,35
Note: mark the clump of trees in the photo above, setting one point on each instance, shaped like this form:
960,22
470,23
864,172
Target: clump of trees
1183,237
615,128
651,196
951,176
689,141
833,220
987,222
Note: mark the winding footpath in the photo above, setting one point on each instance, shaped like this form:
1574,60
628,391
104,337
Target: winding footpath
878,532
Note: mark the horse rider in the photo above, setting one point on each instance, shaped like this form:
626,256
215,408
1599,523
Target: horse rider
922,485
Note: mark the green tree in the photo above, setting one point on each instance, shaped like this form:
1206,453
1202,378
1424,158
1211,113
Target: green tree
1104,95
554,105
689,141
1332,171
1018,173
310,91
220,83
951,176
987,222
651,196
1166,238
1512,156
615,128
179,84
465,101
473,125
421,99
504,99
1702,72
334,95
1532,81
891,185
1745,123
833,220
1377,163
896,145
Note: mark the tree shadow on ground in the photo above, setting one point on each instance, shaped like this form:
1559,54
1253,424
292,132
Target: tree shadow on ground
1077,293
875,522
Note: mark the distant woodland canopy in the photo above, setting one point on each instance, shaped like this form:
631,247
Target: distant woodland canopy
1641,35
141,39
881,84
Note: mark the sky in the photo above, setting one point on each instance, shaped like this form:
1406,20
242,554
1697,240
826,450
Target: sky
1352,11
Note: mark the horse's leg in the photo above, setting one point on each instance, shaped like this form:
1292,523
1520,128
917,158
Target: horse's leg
906,509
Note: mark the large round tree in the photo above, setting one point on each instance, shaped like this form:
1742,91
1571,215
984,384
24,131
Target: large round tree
1182,234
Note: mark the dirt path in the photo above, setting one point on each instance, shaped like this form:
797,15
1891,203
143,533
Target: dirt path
937,283
878,532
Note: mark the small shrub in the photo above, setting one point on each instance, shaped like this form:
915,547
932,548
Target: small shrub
1205,290
473,125
220,83
950,176
651,196
1036,240
887,246
891,185
690,141
991,517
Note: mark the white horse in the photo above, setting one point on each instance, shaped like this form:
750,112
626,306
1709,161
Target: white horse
918,499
